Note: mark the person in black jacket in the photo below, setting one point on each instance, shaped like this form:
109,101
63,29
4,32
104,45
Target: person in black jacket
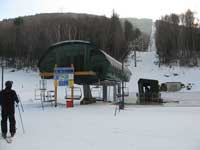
8,97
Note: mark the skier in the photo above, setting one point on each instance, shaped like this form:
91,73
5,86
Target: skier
8,97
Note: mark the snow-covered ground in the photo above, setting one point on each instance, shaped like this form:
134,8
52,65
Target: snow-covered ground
147,68
172,126
94,127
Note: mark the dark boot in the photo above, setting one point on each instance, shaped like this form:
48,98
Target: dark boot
12,134
4,135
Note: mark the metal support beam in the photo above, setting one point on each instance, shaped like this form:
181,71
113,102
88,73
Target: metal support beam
104,93
114,93
121,106
2,76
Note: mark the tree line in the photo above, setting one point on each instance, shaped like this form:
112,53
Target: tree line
177,39
24,39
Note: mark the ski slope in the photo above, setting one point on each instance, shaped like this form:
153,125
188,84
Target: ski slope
94,127
170,126
147,68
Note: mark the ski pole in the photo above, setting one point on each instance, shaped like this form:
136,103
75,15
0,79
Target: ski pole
20,103
21,119
115,110
117,107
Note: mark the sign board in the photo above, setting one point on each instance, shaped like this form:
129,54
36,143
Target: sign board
64,76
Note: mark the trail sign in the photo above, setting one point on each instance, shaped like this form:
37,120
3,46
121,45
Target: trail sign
64,76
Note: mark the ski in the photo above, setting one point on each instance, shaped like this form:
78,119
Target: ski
9,140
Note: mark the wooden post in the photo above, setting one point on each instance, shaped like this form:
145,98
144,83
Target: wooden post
72,92
72,88
56,88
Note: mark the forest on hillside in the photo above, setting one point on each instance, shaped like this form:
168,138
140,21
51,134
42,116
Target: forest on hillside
178,39
24,39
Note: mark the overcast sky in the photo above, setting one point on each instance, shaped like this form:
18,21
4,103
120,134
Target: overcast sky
124,8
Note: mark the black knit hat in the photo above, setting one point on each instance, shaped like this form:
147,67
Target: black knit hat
8,84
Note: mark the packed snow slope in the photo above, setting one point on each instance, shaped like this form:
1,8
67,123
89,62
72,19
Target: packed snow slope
147,67
171,126
95,127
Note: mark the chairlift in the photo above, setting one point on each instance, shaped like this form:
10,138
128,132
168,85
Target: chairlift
40,92
50,96
43,84
77,93
97,92
126,91
37,94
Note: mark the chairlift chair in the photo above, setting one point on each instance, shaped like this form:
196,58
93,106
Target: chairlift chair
126,91
50,96
97,92
77,93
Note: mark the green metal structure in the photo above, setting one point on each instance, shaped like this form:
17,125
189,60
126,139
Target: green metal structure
85,57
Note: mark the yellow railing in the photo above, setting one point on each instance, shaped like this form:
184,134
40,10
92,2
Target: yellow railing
80,73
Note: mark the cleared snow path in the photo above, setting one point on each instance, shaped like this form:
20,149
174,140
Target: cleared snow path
94,127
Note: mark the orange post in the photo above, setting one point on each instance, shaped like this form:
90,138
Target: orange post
72,90
55,87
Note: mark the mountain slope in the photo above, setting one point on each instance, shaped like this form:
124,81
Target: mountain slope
147,68
145,25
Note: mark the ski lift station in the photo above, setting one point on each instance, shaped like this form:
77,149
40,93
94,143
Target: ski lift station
90,66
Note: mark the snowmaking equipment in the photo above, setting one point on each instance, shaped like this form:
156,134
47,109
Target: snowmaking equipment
148,91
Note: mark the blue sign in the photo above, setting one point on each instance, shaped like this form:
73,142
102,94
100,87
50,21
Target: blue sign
56,77
63,83
63,75
63,70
